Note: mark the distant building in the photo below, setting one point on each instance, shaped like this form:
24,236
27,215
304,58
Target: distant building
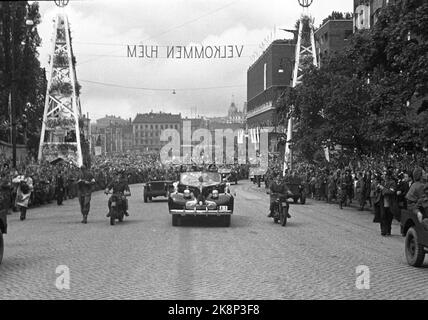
147,129
112,134
333,36
366,12
267,78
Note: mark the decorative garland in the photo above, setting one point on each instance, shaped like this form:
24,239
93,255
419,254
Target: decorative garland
60,35
58,150
52,123
60,61
63,88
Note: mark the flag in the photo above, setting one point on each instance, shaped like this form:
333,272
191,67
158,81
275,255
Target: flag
10,114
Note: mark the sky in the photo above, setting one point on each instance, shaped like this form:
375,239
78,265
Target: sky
101,31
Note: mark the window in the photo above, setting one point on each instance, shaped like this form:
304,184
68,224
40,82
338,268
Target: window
151,127
264,76
156,126
348,34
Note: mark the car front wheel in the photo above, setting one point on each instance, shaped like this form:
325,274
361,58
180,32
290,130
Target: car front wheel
414,250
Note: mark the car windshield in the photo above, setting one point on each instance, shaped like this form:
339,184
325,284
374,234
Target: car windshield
198,178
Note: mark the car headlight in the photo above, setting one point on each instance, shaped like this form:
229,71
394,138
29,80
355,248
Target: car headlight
215,194
187,193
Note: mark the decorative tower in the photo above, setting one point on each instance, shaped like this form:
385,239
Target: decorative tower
62,126
304,57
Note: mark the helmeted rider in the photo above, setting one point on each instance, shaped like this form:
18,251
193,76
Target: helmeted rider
119,185
277,189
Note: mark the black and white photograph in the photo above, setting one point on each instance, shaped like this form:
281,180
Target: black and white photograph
214,155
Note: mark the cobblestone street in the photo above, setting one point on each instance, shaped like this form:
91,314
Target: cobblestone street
314,257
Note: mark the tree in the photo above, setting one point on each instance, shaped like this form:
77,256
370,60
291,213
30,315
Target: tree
363,98
19,60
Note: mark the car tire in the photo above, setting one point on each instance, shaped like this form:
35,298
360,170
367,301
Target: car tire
415,253
1,247
112,221
145,198
275,220
175,220
302,199
295,200
150,199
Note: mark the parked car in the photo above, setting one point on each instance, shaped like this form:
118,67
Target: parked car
201,194
153,189
228,175
416,238
3,230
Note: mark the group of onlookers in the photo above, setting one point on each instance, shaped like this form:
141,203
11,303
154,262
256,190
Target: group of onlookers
385,185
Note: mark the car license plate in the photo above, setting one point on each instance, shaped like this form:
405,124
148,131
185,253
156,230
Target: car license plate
113,204
223,208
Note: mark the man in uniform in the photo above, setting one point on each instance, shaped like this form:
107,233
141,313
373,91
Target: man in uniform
119,185
84,188
277,189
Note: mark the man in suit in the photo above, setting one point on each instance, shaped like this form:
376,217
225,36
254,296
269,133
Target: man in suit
390,205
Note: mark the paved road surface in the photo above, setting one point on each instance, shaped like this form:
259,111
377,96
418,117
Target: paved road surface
314,257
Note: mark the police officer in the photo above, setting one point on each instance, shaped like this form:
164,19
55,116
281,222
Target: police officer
119,185
277,189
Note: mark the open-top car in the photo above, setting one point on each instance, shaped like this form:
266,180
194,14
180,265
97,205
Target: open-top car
3,229
201,194
153,189
416,233
229,175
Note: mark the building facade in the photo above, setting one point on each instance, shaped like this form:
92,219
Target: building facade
366,12
111,134
333,36
267,79
147,129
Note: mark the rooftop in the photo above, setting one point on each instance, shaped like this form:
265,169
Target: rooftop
159,117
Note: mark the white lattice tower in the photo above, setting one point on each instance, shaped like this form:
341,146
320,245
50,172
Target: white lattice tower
62,107
305,56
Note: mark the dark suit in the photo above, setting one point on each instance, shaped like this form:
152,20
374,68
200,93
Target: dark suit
390,205
59,189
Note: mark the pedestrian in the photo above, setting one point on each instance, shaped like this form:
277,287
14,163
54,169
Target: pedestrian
84,190
59,188
25,187
359,191
5,192
388,190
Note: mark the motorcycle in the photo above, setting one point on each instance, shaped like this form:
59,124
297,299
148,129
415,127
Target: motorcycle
118,206
280,210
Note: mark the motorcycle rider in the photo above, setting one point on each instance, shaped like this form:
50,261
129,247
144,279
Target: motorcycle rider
277,189
119,185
